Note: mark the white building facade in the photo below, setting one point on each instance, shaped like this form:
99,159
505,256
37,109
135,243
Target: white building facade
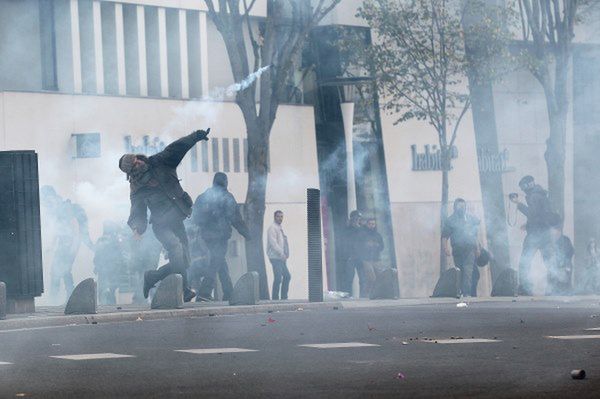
84,81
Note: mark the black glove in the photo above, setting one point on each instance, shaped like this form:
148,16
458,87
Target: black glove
202,134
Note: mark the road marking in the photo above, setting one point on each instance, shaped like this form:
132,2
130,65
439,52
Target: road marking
208,351
572,337
593,329
463,341
4,363
338,345
92,356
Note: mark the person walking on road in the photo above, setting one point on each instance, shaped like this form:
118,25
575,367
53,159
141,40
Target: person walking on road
539,213
372,245
154,185
278,252
461,229
215,212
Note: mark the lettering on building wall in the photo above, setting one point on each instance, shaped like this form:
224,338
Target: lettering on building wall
147,147
493,162
430,159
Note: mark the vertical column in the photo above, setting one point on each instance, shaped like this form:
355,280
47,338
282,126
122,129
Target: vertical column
120,36
97,17
141,33
76,47
162,48
183,51
204,54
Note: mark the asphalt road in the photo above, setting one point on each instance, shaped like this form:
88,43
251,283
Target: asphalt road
404,360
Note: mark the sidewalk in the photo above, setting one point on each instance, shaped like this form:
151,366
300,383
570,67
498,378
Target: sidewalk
53,316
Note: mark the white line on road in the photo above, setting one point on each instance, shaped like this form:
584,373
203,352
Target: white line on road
92,356
338,345
4,363
208,351
463,341
593,329
572,337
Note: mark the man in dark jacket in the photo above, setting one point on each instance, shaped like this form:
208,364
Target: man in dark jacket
352,244
371,247
109,262
461,229
215,212
538,211
69,224
155,185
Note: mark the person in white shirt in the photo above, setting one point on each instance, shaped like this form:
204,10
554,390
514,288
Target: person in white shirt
278,252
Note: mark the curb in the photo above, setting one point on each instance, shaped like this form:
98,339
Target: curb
145,315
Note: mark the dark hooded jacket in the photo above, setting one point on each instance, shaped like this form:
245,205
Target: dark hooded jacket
162,193
538,210
216,211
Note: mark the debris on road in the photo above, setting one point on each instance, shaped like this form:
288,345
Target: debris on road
371,328
578,374
271,320
400,376
300,309
462,305
404,343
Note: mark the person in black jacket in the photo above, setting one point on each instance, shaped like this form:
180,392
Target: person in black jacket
352,245
215,212
155,185
538,211
371,247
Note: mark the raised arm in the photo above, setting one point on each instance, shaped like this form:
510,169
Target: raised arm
174,152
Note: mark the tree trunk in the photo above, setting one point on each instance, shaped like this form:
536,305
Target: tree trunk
258,150
444,208
492,192
557,104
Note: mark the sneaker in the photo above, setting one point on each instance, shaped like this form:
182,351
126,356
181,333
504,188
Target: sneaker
188,295
200,298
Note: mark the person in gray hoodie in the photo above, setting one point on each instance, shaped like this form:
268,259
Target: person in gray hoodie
278,252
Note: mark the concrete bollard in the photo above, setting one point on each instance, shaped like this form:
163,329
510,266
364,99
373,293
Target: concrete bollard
2,301
245,291
506,283
84,299
169,293
448,285
384,287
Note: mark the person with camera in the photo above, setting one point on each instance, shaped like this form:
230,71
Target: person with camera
538,211
154,185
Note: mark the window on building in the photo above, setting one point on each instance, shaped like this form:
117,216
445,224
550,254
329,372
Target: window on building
204,147
215,155
236,155
109,47
226,155
87,46
152,51
132,61
173,53
48,45
194,158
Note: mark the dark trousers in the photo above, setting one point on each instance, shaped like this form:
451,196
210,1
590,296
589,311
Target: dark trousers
281,279
175,241
534,242
465,261
351,266
62,264
217,265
